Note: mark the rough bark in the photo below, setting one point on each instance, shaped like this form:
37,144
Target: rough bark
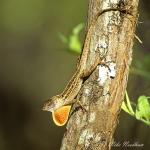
93,127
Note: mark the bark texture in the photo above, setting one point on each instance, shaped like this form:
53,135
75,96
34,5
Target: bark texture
102,93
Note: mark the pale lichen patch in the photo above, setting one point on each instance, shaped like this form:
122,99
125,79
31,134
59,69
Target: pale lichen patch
86,137
101,46
92,117
97,137
82,137
103,74
89,136
87,91
106,71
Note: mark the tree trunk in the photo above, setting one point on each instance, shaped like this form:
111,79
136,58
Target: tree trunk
92,126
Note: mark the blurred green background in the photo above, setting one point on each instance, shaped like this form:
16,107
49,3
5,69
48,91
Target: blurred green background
35,66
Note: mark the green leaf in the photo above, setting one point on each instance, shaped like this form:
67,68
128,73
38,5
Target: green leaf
74,40
74,44
143,109
125,108
78,28
142,112
63,38
129,104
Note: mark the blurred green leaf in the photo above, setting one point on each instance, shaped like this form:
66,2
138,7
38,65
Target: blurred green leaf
78,29
129,104
142,112
143,109
73,41
126,106
63,38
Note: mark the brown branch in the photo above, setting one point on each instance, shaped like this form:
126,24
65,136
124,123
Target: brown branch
92,127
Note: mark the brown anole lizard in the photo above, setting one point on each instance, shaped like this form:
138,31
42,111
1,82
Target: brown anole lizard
60,105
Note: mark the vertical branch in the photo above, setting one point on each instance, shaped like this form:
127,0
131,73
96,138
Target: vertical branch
101,96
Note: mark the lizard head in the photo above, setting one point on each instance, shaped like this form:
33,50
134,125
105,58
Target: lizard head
60,113
53,103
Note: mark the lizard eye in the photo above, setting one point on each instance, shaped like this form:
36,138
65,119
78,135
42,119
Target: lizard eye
49,105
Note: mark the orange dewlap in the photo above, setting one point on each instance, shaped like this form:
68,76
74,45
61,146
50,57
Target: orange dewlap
60,116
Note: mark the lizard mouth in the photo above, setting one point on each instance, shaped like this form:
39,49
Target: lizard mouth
53,105
48,108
